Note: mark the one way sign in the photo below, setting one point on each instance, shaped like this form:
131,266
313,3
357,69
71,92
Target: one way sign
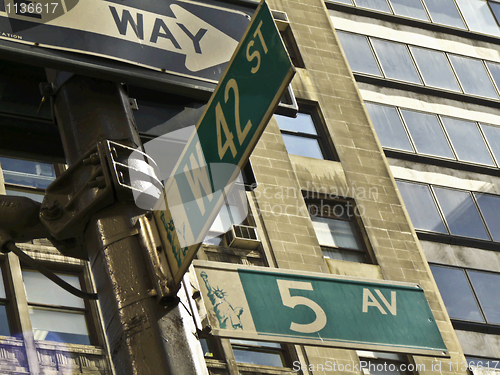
181,37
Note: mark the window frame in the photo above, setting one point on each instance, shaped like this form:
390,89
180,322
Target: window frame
410,56
79,272
379,357
448,55
362,237
282,351
324,142
472,195
479,126
7,301
466,270
465,24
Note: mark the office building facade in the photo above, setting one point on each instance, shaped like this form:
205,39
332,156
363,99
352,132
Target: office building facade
387,172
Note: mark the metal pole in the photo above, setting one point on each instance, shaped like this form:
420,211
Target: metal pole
144,337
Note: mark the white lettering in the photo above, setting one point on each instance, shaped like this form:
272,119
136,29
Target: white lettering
390,306
370,300
199,177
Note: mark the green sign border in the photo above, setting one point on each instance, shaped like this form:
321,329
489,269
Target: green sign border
234,272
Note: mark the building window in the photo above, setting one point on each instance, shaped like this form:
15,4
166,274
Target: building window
259,353
375,363
427,134
336,226
27,173
452,211
460,213
390,130
303,135
435,68
473,76
495,8
359,53
421,206
467,141
26,178
56,315
409,8
469,295
434,135
234,211
380,5
396,61
4,321
445,12
478,16
409,63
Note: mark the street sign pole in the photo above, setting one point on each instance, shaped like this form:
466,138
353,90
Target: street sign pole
144,337
235,117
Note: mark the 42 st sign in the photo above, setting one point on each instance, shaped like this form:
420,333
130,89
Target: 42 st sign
234,119
315,309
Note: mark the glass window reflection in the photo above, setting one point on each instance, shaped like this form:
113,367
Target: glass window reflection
409,8
461,213
303,123
28,173
2,287
258,353
388,125
59,326
4,322
444,12
301,146
23,193
435,68
358,53
495,8
486,286
478,16
467,141
494,69
300,135
473,76
39,289
492,134
421,207
489,205
336,233
427,134
55,314
457,294
380,5
396,61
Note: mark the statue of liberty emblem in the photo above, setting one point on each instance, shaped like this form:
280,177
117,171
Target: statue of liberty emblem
228,316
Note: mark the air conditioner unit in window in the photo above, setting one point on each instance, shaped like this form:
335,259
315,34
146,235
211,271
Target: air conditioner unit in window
243,237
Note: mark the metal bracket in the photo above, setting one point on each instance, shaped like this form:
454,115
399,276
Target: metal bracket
109,172
73,198
133,174
156,259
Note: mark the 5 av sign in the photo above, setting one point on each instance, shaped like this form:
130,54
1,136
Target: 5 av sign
322,310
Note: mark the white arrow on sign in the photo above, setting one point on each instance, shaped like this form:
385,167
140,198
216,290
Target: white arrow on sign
203,45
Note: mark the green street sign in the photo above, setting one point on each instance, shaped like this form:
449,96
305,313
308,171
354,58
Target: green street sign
235,117
316,309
